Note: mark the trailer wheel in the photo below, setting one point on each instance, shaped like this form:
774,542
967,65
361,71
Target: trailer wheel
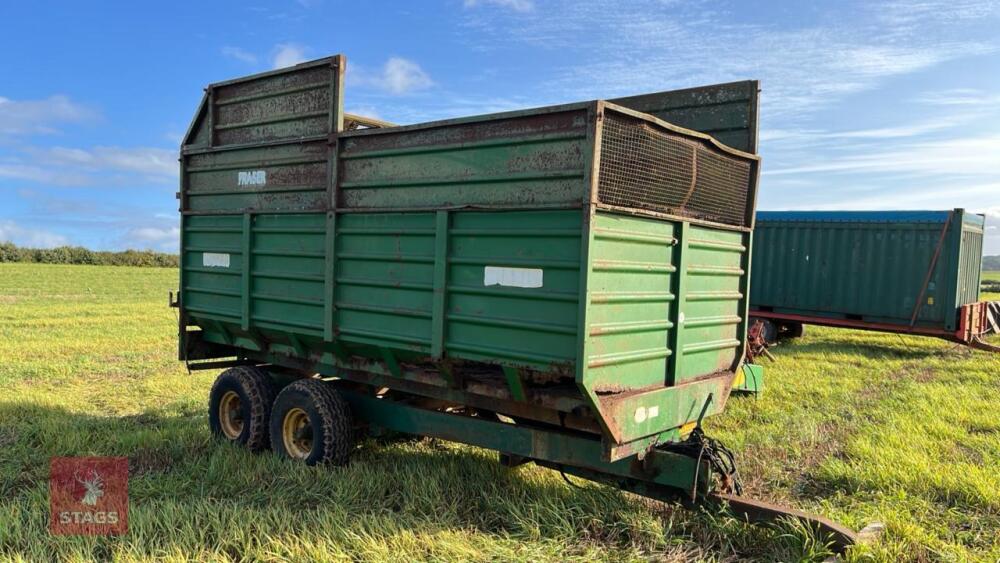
239,406
770,332
312,422
792,330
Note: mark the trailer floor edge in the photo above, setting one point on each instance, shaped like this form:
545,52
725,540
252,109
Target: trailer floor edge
661,475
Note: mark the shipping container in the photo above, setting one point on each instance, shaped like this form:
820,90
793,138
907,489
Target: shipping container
566,285
899,271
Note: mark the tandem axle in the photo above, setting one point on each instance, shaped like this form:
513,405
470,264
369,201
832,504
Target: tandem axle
317,420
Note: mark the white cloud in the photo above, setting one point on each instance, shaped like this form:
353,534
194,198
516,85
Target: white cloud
885,60
366,111
241,55
288,54
142,160
644,47
30,237
516,5
901,131
938,172
42,174
910,13
398,76
772,134
969,97
28,117
978,155
63,166
938,123
102,223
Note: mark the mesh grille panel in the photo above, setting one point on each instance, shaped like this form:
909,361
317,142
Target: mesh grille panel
646,167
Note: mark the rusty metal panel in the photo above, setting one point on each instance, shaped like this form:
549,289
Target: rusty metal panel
264,142
727,112
283,177
645,165
533,158
287,104
197,132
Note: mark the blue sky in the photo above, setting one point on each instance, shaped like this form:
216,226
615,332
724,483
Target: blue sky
865,105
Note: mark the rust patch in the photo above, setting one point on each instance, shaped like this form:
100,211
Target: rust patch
610,389
558,122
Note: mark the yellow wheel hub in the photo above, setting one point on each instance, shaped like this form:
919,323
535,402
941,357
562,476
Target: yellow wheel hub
231,415
296,433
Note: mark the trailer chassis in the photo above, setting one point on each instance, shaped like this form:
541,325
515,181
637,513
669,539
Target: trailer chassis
668,473
975,321
695,471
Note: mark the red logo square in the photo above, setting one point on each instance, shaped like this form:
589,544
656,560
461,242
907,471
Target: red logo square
88,496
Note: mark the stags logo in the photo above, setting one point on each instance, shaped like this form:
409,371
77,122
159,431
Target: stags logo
88,495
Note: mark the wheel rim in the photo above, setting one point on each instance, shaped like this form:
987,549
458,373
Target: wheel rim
231,415
296,433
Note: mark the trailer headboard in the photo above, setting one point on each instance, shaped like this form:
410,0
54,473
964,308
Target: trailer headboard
727,112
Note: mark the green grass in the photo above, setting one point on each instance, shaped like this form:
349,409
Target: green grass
860,427
995,277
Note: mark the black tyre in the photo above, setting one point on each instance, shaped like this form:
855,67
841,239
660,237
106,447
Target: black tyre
239,406
770,332
793,330
311,422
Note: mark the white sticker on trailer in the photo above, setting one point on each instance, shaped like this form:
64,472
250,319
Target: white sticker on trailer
251,177
512,277
215,260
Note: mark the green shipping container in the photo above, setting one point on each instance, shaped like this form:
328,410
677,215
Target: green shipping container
584,263
902,271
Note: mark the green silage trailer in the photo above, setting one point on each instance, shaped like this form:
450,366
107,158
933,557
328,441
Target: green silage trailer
566,285
908,272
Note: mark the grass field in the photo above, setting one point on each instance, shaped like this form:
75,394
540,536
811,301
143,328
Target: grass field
993,277
860,427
